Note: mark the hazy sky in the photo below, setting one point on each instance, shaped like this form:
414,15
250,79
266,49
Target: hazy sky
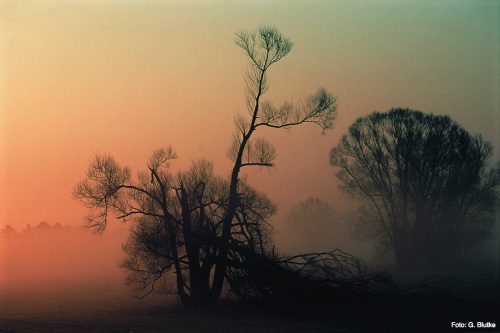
126,77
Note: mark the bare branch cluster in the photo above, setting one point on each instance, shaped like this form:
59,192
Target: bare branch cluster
310,276
265,47
258,152
161,158
178,219
335,265
319,109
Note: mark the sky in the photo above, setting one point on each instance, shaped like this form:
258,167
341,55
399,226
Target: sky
79,78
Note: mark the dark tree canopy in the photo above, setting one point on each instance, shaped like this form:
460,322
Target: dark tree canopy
426,189
177,219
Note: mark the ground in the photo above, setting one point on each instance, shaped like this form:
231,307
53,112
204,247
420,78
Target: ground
111,309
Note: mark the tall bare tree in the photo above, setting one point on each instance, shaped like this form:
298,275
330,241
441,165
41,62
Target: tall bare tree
196,224
264,48
424,182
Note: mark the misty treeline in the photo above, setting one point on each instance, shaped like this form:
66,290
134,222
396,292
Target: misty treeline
420,179
9,231
44,257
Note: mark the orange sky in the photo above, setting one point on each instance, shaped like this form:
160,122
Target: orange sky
82,77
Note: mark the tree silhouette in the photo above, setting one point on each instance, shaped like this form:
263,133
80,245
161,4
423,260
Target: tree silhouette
196,205
312,225
8,231
424,182
195,224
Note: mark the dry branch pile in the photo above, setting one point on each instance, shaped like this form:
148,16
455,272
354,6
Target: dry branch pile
311,276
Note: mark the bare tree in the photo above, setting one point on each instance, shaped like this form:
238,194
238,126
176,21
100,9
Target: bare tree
196,224
312,225
177,220
424,182
263,49
7,232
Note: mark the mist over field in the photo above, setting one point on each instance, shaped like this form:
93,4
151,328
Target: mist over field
46,260
60,278
51,260
283,166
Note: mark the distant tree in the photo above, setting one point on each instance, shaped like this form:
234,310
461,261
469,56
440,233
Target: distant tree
198,225
7,231
43,226
424,182
312,225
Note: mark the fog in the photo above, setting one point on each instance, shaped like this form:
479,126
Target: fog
61,278
313,225
50,261
47,261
